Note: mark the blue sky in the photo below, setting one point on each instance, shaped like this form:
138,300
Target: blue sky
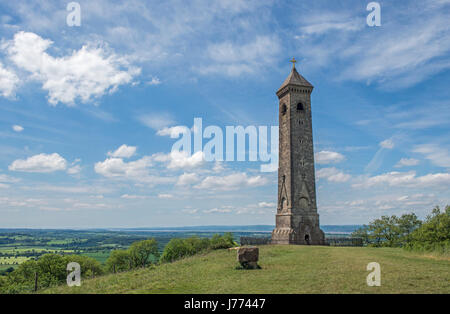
85,112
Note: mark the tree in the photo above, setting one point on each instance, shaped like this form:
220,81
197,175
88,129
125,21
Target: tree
141,251
385,231
433,234
118,260
391,231
222,242
51,269
407,223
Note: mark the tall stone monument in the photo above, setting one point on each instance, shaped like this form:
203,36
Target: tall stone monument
297,220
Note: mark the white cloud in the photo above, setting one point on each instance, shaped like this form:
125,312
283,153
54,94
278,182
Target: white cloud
267,205
217,211
190,211
231,182
82,189
17,128
8,179
165,196
123,151
436,154
140,171
43,163
232,59
80,205
8,82
154,81
388,144
133,197
116,167
407,162
87,73
188,179
327,157
173,132
156,121
327,22
182,160
218,167
332,174
76,169
405,179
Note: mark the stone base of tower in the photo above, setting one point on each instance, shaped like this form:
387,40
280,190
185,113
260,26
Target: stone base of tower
304,232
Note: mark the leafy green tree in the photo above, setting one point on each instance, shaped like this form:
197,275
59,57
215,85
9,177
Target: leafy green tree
118,261
175,249
391,231
141,251
51,269
407,223
384,231
433,234
222,242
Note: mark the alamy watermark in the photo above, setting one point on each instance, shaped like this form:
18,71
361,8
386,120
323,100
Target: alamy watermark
211,139
374,17
74,277
74,16
374,278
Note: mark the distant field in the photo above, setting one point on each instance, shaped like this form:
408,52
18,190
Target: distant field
285,269
101,256
12,260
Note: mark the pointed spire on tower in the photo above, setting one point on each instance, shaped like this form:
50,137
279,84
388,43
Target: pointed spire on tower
295,78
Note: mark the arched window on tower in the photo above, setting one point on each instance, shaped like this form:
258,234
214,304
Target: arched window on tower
300,107
283,109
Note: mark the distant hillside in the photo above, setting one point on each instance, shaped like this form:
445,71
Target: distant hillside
243,228
285,269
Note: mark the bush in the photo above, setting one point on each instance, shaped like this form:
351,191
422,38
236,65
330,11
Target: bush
139,254
179,248
118,261
433,234
222,242
141,251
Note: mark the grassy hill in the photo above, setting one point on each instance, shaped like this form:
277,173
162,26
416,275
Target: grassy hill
285,269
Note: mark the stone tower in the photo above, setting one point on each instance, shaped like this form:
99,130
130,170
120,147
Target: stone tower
297,220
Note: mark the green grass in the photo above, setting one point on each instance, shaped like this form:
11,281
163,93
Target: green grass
285,269
101,256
